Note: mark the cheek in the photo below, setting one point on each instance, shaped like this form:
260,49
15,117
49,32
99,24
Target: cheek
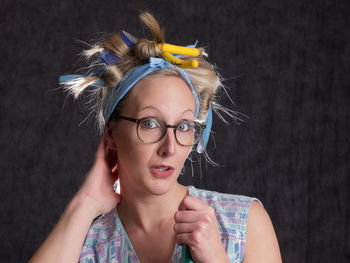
131,153
185,154
181,156
123,142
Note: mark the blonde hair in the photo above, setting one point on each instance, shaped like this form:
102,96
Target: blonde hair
204,78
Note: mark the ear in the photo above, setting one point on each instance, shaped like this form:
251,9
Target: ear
109,138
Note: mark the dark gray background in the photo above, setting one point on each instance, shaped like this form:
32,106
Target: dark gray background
286,64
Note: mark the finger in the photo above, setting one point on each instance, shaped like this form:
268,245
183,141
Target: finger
100,152
183,238
111,158
118,197
115,171
181,228
192,203
187,216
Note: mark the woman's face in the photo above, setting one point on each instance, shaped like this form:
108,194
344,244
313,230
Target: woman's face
152,168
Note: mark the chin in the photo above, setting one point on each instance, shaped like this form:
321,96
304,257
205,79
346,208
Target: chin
161,187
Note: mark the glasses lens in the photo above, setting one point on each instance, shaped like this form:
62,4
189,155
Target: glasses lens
150,130
188,132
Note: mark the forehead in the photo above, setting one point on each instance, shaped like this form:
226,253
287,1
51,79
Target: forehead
163,92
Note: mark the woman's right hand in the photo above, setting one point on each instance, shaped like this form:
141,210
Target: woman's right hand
96,196
98,184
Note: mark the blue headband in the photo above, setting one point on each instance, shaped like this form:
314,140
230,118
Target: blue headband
140,72
134,76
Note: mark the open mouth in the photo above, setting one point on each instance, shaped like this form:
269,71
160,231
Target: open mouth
162,171
162,168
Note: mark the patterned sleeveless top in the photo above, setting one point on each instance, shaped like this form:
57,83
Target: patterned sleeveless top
107,240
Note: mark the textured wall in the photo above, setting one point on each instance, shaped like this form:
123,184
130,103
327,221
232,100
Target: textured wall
286,64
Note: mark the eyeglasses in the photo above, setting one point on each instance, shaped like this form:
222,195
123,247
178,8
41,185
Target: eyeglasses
151,130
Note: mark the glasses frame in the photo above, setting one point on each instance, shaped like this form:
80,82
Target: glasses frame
174,127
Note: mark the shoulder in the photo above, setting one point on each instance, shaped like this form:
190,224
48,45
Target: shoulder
103,228
261,241
244,218
107,241
232,216
223,201
231,210
104,231
212,196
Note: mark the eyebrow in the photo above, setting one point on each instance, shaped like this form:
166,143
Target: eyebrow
154,108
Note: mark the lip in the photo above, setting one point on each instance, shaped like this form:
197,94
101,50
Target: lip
162,174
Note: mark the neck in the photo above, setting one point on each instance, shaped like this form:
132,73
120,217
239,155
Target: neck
147,211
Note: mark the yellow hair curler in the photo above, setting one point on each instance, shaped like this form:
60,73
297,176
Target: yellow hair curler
191,51
179,62
167,49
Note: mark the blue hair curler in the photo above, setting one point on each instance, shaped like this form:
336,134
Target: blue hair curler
128,39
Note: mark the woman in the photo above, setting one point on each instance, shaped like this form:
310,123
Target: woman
154,108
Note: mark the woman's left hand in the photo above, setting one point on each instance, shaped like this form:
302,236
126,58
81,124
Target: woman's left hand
196,226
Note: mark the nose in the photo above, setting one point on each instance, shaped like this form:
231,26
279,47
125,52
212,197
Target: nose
167,144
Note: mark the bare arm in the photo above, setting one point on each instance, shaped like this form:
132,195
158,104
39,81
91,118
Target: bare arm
261,241
65,241
95,197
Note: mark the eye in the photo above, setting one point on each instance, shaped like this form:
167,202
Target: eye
184,126
149,123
